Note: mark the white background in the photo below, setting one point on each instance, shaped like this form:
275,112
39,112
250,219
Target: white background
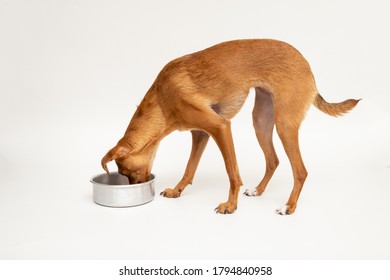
71,75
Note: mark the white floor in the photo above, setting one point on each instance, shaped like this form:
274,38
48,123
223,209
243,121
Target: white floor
67,99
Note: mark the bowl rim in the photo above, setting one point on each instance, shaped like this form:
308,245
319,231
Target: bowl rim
152,175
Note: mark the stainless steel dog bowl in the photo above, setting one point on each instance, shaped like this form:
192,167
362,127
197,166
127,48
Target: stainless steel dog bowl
114,190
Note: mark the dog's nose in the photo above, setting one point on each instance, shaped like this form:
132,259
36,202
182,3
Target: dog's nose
131,181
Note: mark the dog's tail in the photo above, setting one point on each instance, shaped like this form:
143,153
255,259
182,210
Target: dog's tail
334,109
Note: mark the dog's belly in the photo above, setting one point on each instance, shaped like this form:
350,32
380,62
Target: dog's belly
230,105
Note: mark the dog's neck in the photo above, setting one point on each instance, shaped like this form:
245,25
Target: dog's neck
147,127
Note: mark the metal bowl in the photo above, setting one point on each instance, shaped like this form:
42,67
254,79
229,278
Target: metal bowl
114,190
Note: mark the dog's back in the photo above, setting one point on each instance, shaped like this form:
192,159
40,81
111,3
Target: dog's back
222,75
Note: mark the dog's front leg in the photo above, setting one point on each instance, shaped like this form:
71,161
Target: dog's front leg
199,142
223,137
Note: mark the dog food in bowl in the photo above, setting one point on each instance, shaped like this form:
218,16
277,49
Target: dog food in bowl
113,190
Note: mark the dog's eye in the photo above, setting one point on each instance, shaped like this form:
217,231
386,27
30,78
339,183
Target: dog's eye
123,171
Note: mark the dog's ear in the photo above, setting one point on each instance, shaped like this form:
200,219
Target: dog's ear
118,151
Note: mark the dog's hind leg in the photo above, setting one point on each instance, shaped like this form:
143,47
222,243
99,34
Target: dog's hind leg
287,126
199,142
264,122
289,137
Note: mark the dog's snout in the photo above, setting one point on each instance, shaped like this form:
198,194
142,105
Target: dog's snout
135,180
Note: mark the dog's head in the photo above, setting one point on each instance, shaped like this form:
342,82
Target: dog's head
135,166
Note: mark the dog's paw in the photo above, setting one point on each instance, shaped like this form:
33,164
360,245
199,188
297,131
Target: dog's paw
282,210
285,210
249,192
226,208
170,193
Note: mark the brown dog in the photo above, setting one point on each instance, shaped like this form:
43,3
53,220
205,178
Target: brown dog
202,91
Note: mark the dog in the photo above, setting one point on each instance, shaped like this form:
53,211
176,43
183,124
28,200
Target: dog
203,91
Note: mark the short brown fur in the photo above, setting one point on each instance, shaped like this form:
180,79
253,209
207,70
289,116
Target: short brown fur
202,91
